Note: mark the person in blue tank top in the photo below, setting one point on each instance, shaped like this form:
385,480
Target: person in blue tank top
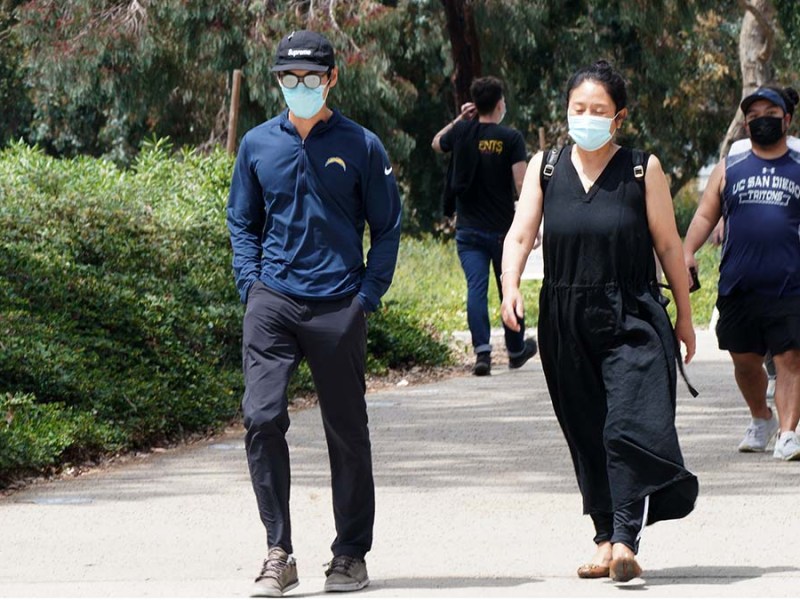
758,194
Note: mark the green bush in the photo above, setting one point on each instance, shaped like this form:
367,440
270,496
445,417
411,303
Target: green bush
399,339
34,436
120,325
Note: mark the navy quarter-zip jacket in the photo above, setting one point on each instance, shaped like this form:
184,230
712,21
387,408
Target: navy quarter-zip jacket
297,210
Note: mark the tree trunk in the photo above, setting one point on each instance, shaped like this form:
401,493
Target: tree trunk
756,43
464,45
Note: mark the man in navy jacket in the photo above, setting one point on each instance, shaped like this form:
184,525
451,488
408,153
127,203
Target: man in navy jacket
305,184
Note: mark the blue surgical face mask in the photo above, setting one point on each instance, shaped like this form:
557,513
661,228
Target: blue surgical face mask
590,132
304,102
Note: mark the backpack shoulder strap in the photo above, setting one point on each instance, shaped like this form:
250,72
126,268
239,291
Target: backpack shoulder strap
639,164
549,159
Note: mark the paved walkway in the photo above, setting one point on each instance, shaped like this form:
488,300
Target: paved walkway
475,495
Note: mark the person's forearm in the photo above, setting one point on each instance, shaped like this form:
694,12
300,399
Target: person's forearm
698,232
514,256
384,216
436,145
708,212
467,112
381,262
675,271
246,256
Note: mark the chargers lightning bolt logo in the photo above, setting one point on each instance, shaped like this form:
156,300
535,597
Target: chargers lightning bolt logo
335,160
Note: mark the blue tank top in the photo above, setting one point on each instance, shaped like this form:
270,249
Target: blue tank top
761,205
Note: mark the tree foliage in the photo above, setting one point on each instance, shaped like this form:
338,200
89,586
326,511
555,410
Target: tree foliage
106,74
679,59
100,76
16,106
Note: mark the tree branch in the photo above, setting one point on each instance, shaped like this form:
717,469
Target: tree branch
755,67
766,27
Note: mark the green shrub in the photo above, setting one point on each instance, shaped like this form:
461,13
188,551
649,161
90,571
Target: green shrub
34,436
397,338
120,325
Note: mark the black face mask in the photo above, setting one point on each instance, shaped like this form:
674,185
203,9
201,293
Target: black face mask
765,131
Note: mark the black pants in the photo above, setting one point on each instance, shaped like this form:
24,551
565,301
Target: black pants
622,526
278,332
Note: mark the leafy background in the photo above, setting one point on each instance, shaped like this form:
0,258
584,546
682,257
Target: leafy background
119,322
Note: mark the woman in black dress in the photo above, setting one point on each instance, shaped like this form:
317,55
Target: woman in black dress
608,349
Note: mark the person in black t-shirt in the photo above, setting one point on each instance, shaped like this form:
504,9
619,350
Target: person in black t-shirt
495,158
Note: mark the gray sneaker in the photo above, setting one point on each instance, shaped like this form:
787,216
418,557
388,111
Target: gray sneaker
278,575
346,574
787,446
758,434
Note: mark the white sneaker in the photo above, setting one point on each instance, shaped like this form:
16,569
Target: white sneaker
758,434
787,447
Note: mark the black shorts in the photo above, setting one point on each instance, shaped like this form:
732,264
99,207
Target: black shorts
754,323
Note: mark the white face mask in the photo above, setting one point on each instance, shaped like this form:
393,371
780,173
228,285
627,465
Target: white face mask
590,132
304,102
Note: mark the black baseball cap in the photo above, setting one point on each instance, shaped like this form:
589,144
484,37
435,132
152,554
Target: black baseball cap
304,51
764,94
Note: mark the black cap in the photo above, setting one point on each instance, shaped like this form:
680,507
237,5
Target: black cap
764,94
304,51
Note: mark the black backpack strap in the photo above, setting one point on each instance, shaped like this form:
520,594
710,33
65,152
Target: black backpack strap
552,155
639,164
549,159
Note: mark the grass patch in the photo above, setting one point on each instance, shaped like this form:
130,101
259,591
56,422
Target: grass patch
703,300
430,283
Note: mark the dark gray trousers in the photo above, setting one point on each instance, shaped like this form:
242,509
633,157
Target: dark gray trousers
278,332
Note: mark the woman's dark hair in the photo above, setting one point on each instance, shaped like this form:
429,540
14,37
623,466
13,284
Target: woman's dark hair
486,93
604,74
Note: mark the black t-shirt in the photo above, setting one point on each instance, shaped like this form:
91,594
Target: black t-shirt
489,201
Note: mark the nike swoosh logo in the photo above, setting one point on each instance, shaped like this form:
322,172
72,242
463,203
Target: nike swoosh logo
387,170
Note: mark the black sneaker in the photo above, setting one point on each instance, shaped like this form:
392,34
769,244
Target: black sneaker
278,575
527,353
483,364
346,574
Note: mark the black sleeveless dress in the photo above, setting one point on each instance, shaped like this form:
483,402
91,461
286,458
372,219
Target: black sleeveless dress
607,345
